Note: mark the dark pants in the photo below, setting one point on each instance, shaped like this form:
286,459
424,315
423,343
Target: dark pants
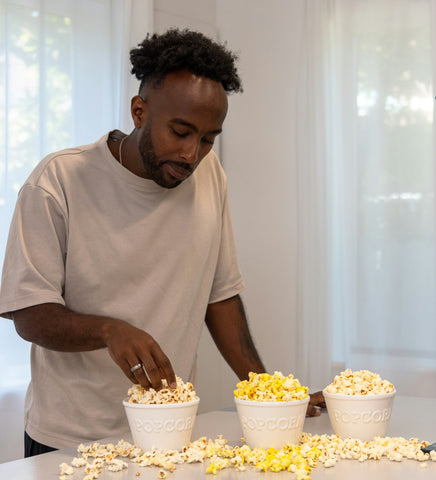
32,447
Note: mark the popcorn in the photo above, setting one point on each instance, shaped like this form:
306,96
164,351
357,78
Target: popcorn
362,382
184,392
66,469
78,462
102,456
396,449
91,476
262,387
300,460
217,464
116,465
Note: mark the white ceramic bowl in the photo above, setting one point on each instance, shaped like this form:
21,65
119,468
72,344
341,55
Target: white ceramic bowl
271,424
359,416
165,427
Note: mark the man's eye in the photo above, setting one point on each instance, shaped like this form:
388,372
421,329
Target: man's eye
179,134
209,141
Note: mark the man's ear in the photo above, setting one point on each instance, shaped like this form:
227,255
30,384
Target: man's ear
139,111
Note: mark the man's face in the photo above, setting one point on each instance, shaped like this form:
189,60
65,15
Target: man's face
182,118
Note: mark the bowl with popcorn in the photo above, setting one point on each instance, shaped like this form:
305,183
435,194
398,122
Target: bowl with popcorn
359,404
271,409
161,419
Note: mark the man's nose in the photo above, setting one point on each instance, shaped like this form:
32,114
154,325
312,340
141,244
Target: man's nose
190,151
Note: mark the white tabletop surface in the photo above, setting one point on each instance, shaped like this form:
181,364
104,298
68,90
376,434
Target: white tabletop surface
411,417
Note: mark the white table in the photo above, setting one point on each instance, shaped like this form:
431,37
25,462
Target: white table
411,417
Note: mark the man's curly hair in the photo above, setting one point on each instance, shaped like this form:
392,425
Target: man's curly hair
158,55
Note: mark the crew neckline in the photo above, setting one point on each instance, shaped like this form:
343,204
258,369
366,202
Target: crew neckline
145,184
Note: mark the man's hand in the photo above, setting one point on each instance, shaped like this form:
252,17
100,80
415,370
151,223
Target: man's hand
129,346
54,327
316,402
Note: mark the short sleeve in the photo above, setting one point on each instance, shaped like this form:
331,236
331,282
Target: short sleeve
228,279
34,264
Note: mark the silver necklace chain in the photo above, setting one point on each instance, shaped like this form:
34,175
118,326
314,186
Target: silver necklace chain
119,150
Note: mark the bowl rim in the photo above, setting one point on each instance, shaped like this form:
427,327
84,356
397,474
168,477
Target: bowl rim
257,403
191,403
342,396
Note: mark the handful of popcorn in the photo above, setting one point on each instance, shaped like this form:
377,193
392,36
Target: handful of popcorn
362,382
263,387
184,392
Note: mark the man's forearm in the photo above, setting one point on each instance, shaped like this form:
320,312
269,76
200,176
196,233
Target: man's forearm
53,326
228,326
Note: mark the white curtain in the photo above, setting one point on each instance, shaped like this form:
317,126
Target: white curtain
314,350
367,191
64,81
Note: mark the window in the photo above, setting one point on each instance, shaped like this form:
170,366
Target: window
387,207
59,87
367,192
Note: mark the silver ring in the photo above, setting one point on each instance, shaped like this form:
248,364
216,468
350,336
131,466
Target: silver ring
136,367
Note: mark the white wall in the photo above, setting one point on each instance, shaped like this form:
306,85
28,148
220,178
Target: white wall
258,151
193,14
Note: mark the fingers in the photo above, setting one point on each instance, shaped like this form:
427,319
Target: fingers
141,376
316,402
132,369
150,371
317,399
313,411
164,367
139,356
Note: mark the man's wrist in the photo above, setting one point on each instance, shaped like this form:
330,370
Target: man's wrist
108,329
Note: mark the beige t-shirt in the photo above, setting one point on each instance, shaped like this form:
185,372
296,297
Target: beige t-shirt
89,234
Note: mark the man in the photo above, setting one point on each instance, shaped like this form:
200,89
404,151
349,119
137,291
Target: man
118,251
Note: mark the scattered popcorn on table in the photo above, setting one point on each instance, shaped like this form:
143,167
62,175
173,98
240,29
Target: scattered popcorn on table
78,462
299,460
217,464
66,469
184,392
91,476
362,382
262,387
116,465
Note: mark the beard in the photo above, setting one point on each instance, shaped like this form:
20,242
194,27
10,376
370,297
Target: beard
153,166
